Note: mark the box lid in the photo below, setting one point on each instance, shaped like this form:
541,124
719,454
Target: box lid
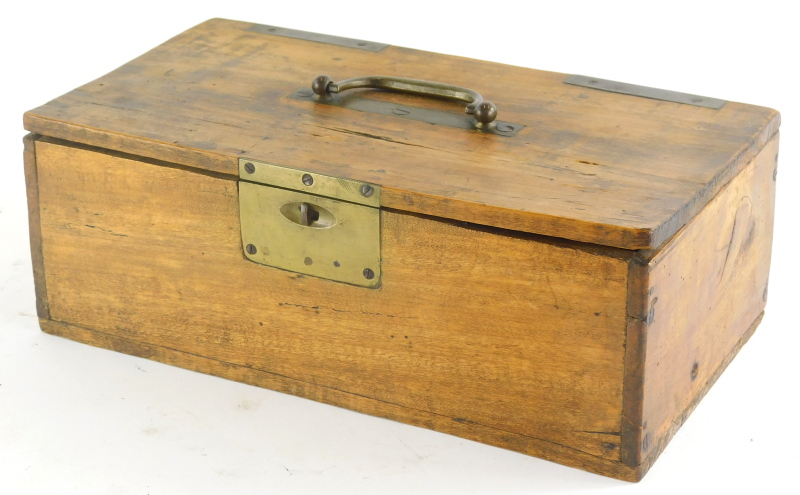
590,165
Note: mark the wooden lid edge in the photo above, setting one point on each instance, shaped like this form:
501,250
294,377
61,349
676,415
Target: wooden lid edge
668,229
615,236
623,237
492,216
169,152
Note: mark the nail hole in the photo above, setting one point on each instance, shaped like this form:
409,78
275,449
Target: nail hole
646,442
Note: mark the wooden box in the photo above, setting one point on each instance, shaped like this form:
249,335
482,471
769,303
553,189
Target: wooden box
566,281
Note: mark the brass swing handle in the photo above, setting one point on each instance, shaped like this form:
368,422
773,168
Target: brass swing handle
484,111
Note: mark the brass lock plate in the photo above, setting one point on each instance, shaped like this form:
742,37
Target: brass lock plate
310,223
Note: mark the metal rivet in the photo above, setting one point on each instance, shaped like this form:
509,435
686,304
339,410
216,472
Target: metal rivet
504,128
400,111
249,168
369,274
697,100
337,264
308,261
251,249
271,30
367,190
307,179
362,43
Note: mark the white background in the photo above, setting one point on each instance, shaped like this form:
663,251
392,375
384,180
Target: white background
76,419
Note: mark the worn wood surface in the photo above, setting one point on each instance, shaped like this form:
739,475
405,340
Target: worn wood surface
462,428
658,445
34,225
590,166
511,339
693,305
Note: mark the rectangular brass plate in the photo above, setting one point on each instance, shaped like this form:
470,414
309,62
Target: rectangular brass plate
369,46
343,246
351,100
645,92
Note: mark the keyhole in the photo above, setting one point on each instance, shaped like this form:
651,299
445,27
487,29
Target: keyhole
308,215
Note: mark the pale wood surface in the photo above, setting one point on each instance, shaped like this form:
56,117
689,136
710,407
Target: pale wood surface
445,424
658,445
515,336
695,304
590,165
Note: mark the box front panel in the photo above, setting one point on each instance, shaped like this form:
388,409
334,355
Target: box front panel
472,329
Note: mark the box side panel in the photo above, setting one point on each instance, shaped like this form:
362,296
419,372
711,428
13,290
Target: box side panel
700,298
34,225
503,333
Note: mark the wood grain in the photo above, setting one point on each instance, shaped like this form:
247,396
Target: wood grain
658,445
694,305
459,427
590,166
34,225
508,338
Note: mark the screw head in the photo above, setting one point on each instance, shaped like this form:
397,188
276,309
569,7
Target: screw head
249,168
368,273
307,179
367,190
251,249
